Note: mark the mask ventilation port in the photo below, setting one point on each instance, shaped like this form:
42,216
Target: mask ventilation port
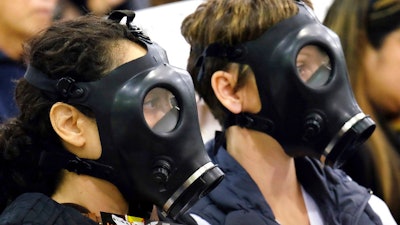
312,126
161,171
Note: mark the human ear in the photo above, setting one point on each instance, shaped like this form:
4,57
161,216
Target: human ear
223,84
76,130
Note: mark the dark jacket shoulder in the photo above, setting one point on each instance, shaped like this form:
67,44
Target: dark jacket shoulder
39,209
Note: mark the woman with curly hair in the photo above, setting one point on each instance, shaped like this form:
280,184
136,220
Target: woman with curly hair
102,116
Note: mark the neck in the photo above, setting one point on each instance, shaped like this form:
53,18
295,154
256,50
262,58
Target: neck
271,169
94,194
264,159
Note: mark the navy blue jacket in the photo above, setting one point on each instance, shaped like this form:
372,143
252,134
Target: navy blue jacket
38,209
237,200
10,71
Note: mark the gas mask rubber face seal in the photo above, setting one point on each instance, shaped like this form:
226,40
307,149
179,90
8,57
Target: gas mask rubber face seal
307,101
146,115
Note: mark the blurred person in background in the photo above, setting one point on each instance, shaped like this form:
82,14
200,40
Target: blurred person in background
68,9
161,2
370,35
19,21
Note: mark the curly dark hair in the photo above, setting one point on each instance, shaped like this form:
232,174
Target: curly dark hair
78,48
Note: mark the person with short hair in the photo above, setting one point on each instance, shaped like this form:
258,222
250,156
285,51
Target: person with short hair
276,80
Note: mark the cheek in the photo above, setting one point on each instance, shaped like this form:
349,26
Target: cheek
11,20
383,80
34,15
253,97
94,144
153,118
389,58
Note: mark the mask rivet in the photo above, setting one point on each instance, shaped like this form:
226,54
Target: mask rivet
312,126
161,171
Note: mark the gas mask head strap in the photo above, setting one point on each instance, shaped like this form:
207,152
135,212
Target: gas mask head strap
118,17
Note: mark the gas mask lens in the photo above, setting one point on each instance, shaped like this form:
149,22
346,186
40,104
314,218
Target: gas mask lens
160,110
313,66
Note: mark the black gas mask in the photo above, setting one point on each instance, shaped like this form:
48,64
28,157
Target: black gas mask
301,75
146,115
